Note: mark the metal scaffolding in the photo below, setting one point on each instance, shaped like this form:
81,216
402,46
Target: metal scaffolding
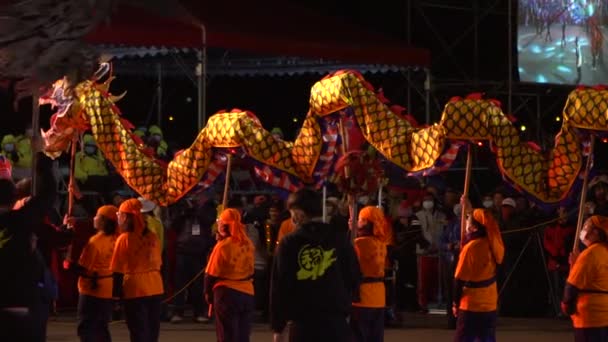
473,50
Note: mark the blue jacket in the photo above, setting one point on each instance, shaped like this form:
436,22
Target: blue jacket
451,234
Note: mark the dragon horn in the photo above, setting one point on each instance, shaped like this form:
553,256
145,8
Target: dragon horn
116,98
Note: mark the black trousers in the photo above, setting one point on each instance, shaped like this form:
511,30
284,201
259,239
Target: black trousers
233,314
367,324
20,326
476,327
448,267
261,288
187,267
143,318
591,334
29,325
94,314
334,329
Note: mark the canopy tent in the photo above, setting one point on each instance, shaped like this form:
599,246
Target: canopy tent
267,27
177,62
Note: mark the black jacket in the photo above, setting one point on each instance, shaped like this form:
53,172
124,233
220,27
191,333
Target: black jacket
22,268
201,243
315,275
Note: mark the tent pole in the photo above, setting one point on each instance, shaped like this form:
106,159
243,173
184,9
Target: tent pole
204,75
199,88
427,96
409,43
201,74
36,137
510,56
324,203
159,94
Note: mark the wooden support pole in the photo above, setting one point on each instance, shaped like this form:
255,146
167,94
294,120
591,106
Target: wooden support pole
227,182
71,182
581,207
465,193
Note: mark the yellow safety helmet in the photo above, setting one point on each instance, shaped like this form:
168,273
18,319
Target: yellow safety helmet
277,130
9,139
155,130
88,140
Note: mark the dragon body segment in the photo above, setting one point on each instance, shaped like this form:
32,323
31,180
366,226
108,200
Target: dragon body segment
547,176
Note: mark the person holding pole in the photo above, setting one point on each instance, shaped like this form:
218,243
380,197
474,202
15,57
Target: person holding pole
367,317
586,292
475,291
229,279
136,266
95,302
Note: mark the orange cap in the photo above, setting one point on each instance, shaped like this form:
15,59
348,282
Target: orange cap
232,218
600,222
376,217
108,211
494,237
133,206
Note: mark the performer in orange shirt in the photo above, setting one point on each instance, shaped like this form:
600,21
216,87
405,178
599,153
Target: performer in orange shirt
286,227
136,265
475,293
229,279
367,318
95,282
586,293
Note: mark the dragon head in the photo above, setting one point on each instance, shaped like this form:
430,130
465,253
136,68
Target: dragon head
68,122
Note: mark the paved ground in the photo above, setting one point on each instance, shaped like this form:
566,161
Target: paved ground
425,328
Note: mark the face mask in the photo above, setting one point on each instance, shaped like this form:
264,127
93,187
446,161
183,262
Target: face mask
488,204
90,149
591,210
457,210
9,147
428,205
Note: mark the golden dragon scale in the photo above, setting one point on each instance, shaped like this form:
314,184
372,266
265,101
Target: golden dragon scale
546,176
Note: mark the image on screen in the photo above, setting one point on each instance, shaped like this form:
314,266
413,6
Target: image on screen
562,41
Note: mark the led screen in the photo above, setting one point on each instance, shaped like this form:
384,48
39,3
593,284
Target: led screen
562,42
